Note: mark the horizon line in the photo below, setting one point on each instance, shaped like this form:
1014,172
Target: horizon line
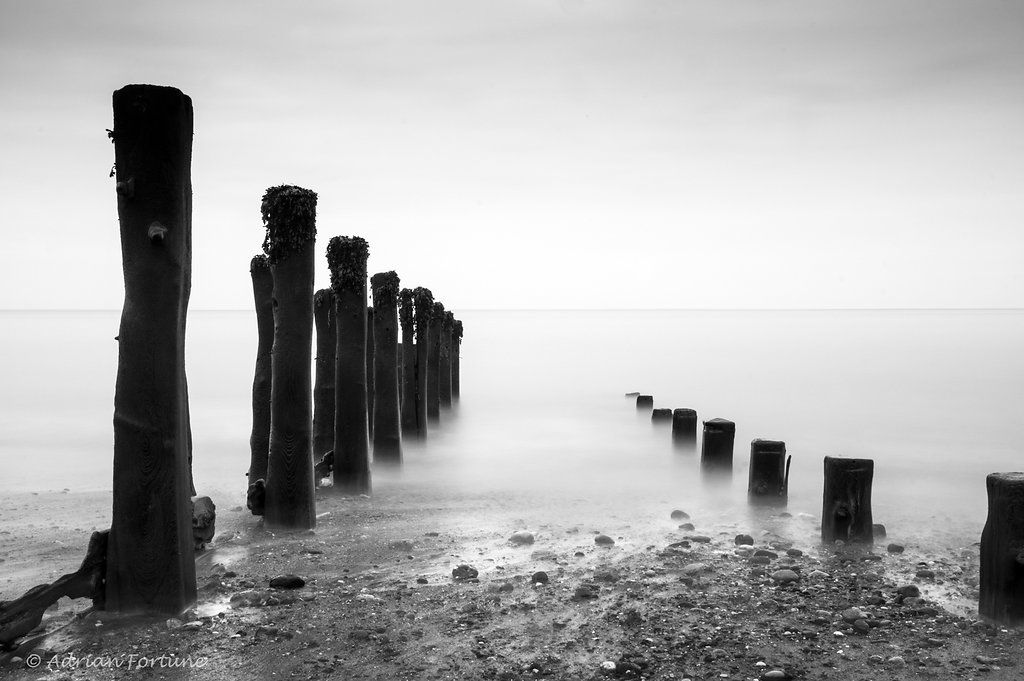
594,309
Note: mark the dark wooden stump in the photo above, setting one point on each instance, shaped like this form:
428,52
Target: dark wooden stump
371,390
684,428
445,361
150,556
434,363
423,301
716,447
768,481
347,259
387,431
456,361
644,402
259,438
846,506
408,349
661,416
323,382
289,214
1002,551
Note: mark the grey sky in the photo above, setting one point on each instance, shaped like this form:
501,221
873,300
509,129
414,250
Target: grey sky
642,153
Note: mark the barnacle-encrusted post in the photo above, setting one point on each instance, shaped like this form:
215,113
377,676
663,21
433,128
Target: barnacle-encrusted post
323,383
346,256
387,431
434,363
150,552
259,438
289,214
456,350
445,360
409,399
423,301
370,389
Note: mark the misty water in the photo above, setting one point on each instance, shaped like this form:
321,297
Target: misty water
934,397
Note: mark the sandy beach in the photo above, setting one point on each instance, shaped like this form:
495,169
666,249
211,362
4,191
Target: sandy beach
671,598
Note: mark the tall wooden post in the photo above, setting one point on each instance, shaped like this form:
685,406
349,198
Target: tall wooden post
445,361
370,387
768,479
387,432
423,301
409,396
259,438
846,504
716,447
456,361
150,552
684,428
346,256
434,363
1002,550
323,385
289,214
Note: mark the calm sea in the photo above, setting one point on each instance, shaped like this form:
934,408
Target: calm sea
934,397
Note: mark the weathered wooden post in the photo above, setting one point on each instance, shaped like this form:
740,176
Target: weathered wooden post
445,360
150,552
323,385
456,361
846,504
768,479
1002,550
684,428
716,447
370,390
387,432
661,416
423,301
644,402
434,363
259,438
347,256
409,396
289,214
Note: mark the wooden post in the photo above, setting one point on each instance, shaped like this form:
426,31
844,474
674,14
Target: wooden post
387,432
456,362
644,402
684,428
289,214
259,438
347,259
423,301
1002,550
445,364
150,554
370,388
434,363
323,385
846,504
716,447
661,416
409,396
768,480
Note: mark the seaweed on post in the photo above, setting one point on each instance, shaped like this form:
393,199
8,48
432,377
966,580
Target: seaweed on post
456,350
387,432
409,396
346,257
289,214
259,437
150,556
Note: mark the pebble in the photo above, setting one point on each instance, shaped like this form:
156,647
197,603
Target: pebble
908,591
465,572
744,539
287,582
604,540
774,674
695,568
700,539
173,623
521,538
785,576
895,548
422,580
861,626
539,577
851,615
760,560
587,591
896,661
818,573
688,527
794,553
680,515
925,573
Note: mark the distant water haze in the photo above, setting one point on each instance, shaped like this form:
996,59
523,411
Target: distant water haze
934,397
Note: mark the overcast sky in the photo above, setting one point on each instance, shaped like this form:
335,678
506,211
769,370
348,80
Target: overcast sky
542,153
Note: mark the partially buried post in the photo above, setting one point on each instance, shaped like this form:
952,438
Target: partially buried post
346,256
289,214
150,553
